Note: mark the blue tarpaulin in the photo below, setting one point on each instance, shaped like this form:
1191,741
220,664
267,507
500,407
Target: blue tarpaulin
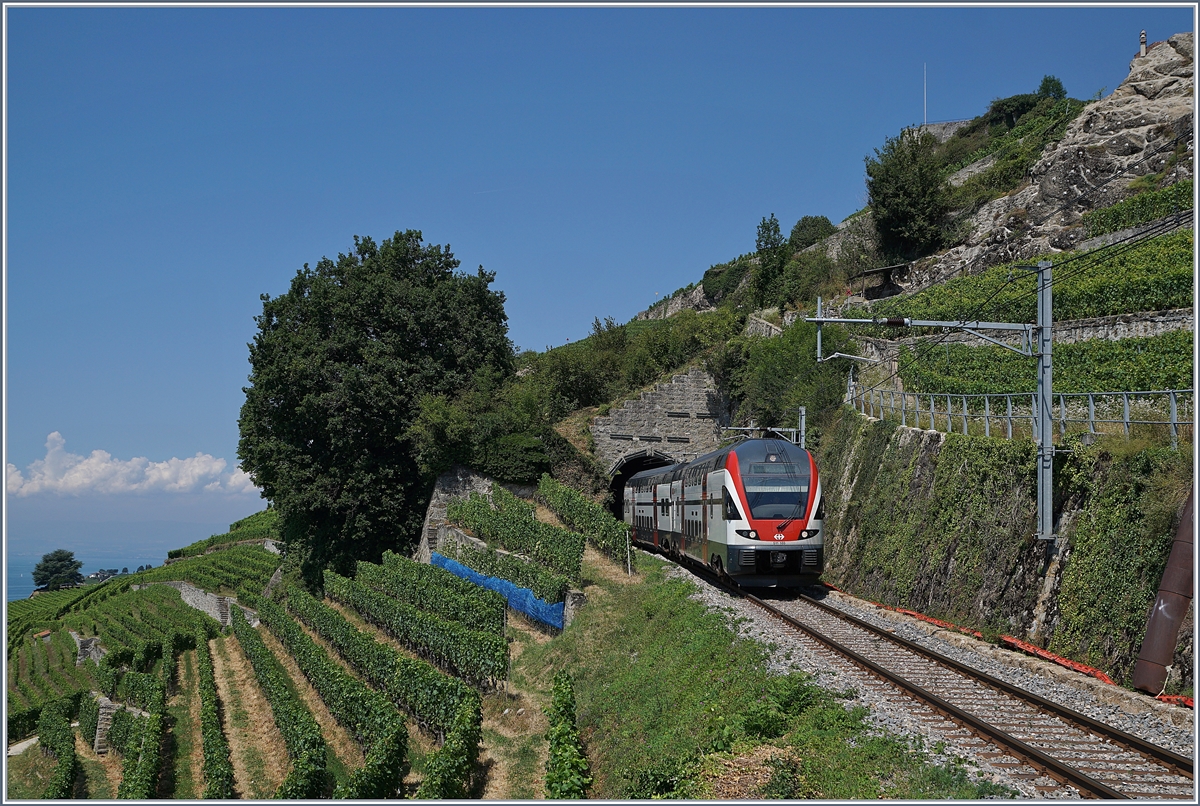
520,599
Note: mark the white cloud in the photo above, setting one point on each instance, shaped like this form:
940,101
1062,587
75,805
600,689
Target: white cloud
63,472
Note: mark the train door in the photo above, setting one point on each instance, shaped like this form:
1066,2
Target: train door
662,514
692,518
714,517
677,509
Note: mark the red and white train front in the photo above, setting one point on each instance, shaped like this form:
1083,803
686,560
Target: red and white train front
753,510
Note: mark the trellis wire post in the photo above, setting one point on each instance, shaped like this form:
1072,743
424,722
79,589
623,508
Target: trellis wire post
1174,423
1125,403
1091,413
1062,415
1008,399
949,416
964,414
903,412
987,416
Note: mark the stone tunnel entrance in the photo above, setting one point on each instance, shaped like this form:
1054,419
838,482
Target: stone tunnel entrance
627,466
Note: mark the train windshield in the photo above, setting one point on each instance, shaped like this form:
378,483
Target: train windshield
776,493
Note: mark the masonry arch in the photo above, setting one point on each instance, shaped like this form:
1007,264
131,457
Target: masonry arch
628,465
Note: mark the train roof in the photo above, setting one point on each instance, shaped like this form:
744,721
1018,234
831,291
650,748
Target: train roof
748,450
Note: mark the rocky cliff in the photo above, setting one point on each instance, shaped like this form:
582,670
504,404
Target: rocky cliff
1127,135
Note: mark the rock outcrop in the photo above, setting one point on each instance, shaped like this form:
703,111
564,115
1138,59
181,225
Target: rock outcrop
695,300
1129,134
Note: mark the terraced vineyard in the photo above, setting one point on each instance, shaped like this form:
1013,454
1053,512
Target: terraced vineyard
400,659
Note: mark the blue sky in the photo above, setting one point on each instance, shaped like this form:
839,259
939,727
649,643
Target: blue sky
167,166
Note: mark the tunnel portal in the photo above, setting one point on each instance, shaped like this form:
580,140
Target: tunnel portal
629,465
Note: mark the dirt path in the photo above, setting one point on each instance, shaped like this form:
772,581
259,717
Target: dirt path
259,756
337,737
110,762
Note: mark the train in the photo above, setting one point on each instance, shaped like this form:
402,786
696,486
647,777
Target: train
753,512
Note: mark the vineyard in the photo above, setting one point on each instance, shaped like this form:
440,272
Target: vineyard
1152,276
259,526
1099,365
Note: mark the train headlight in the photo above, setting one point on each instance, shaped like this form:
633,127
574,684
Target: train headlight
750,533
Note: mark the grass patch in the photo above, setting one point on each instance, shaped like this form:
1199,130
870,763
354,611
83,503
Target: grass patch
665,689
178,779
29,774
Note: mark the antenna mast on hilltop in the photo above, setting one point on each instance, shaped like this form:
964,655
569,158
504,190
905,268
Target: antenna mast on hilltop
925,91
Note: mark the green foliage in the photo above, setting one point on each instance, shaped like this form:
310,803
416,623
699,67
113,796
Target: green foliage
140,769
1051,87
89,718
808,230
1140,209
146,691
299,730
566,766
510,524
479,657
908,195
721,280
339,365
218,769
771,252
805,277
1096,365
767,379
259,526
363,711
609,535
432,697
546,585
939,524
57,569
1154,275
436,591
224,570
448,771
54,734
1119,548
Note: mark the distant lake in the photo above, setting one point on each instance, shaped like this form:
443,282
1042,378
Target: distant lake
97,545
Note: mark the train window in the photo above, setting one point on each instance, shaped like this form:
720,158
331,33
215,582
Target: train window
731,510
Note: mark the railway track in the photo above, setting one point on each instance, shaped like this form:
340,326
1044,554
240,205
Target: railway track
1059,751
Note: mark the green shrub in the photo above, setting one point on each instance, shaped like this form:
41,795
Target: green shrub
1095,365
596,523
436,591
1140,209
448,771
362,710
432,697
510,524
566,766
479,657
218,769
54,734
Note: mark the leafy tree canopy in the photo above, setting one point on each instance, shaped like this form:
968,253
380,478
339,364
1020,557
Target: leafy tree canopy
339,366
908,196
57,569
809,230
1051,87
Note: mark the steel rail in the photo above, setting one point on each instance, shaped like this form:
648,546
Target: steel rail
1179,764
1036,758
1031,755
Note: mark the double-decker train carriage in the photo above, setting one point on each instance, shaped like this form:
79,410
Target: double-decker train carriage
753,511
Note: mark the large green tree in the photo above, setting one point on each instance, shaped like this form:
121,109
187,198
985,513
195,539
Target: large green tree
909,198
57,568
339,366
